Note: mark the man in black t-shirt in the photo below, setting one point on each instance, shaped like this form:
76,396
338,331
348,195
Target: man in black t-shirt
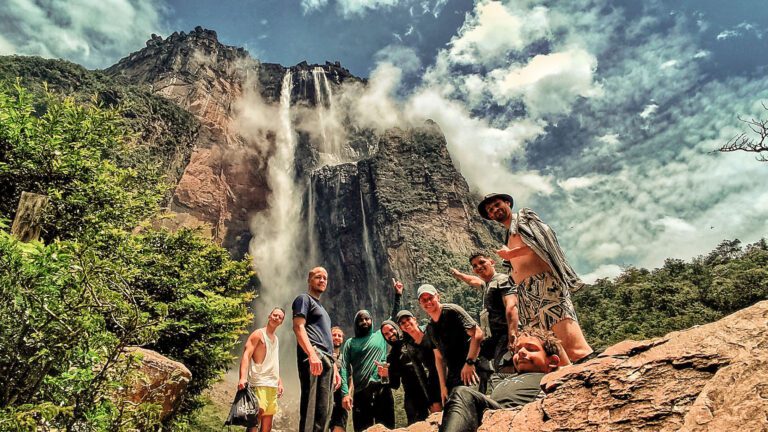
455,338
499,319
318,373
535,355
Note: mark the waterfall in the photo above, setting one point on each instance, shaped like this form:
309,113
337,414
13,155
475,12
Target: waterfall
314,253
369,260
317,72
278,232
331,132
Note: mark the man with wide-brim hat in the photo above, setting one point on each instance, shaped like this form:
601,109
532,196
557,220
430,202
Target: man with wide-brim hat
543,278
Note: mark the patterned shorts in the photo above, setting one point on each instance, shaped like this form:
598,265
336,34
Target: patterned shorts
544,302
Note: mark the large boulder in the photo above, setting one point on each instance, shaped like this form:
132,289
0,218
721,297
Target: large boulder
156,379
708,378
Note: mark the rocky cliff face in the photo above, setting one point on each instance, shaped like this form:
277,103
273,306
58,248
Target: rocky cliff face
405,211
375,206
224,183
707,378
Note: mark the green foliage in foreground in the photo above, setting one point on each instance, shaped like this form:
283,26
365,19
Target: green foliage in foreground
59,360
642,303
197,291
69,307
69,153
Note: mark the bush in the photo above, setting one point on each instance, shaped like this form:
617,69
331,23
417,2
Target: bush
69,308
64,319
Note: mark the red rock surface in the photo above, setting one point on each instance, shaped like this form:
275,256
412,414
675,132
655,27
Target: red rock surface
708,378
159,380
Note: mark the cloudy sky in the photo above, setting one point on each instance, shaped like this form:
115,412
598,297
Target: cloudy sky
600,115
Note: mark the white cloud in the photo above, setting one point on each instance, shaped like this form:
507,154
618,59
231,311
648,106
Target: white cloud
609,271
493,31
312,5
549,83
702,54
404,57
610,139
669,64
674,226
94,33
649,110
480,149
374,106
350,8
727,34
574,183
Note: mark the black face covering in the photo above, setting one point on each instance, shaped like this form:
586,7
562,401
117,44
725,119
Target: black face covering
360,331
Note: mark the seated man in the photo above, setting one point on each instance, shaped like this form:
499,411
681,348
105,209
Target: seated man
535,355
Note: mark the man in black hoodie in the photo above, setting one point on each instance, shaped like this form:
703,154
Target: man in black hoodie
413,364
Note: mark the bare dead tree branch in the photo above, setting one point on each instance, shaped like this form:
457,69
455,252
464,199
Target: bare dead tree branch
742,142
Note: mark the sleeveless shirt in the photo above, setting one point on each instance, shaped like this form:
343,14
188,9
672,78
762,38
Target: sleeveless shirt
267,373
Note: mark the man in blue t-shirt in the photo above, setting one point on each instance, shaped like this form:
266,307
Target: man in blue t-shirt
318,374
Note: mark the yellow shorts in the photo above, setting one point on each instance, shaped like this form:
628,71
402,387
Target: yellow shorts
267,397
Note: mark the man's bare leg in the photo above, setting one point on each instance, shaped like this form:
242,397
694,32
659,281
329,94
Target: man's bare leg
266,423
573,340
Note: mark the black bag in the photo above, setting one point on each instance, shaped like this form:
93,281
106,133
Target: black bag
245,409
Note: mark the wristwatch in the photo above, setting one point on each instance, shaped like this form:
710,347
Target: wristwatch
470,361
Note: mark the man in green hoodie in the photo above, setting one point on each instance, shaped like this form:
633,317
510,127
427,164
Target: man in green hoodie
372,401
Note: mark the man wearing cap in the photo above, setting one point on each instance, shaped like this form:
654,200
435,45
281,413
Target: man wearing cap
371,401
455,338
539,269
413,364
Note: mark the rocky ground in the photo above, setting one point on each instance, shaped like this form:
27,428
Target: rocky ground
708,378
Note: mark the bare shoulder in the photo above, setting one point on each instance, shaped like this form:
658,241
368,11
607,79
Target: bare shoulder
256,337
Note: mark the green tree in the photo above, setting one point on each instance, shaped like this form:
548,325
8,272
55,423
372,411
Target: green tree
65,317
71,306
198,292
70,152
643,303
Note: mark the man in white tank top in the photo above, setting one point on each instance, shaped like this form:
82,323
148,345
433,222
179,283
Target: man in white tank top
260,368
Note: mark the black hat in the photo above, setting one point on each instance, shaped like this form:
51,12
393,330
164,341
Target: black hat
491,197
402,314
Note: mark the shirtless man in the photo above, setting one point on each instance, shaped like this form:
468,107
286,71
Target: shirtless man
543,277
260,368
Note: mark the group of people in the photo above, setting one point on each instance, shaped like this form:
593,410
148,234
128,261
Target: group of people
528,327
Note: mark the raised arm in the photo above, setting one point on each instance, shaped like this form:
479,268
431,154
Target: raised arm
470,280
398,287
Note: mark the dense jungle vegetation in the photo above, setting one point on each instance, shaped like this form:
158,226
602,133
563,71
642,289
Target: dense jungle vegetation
94,285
